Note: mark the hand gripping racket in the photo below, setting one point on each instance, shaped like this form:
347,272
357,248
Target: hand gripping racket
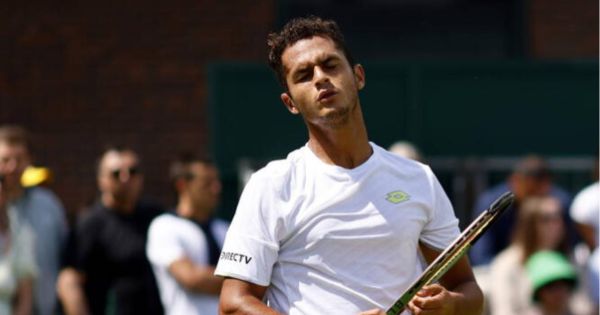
454,252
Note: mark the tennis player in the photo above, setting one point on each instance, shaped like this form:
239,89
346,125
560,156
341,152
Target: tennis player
340,225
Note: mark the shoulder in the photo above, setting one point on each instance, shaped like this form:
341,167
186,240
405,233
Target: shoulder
41,195
588,194
167,222
279,175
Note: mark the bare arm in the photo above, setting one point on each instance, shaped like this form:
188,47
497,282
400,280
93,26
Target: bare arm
243,298
69,287
24,298
457,293
195,278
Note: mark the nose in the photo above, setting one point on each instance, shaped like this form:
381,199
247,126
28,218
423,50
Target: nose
124,177
320,76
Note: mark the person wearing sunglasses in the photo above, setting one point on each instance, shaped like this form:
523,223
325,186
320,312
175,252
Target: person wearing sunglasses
106,251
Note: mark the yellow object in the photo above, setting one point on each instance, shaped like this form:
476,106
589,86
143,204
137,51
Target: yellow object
33,176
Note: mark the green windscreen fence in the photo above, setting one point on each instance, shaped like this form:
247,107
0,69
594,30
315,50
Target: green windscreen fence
458,109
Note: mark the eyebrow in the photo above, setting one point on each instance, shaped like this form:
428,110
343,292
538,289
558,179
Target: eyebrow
322,59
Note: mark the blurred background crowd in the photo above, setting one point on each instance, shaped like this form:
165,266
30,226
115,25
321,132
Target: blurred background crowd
155,109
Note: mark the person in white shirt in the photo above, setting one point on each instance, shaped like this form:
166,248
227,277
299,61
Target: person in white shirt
585,211
337,227
184,247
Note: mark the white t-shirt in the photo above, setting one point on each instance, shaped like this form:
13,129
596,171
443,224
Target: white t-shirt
586,206
586,210
330,240
171,238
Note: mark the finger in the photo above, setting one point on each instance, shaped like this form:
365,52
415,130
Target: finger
433,298
428,303
414,309
430,290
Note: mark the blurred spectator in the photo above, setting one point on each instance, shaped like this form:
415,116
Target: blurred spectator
106,255
39,208
530,177
553,280
540,226
17,259
184,247
585,211
407,150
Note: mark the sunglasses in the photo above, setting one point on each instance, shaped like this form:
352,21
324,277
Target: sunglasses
132,171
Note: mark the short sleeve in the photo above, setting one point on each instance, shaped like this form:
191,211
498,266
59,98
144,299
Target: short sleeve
251,246
163,246
442,226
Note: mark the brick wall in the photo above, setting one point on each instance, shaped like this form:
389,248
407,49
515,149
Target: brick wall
563,29
81,75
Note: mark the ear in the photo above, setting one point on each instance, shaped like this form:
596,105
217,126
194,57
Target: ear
359,75
289,103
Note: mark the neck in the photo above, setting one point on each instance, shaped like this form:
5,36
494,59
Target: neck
187,209
124,206
346,146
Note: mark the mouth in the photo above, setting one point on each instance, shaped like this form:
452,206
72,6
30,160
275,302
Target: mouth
326,95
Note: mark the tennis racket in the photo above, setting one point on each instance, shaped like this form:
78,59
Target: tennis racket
459,247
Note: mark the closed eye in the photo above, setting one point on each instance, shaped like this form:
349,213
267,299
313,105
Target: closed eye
302,75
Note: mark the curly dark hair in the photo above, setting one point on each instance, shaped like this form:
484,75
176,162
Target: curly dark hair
296,30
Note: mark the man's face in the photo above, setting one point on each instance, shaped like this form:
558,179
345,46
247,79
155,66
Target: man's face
322,86
13,161
204,186
120,176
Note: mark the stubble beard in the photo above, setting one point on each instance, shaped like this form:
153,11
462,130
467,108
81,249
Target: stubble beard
340,118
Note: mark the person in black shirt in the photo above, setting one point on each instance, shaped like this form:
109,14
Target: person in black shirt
107,249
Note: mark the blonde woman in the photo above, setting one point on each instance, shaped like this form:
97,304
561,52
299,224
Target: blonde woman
540,226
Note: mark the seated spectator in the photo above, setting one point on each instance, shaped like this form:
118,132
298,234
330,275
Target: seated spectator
37,207
18,268
107,249
184,247
531,177
540,226
553,280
